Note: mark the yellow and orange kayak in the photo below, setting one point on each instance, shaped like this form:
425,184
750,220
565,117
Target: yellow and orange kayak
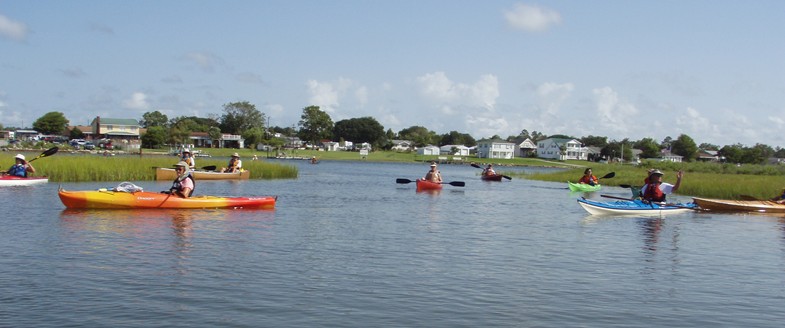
109,199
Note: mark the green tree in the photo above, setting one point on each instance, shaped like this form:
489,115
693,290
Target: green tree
180,131
732,153
649,148
239,117
363,129
419,135
457,138
315,125
154,137
685,147
76,134
155,118
51,123
214,133
757,154
708,146
592,141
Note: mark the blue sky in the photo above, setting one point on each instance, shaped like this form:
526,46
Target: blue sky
714,70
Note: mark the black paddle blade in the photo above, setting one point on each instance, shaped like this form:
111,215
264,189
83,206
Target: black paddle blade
477,166
457,183
399,180
209,168
507,177
625,185
609,175
747,197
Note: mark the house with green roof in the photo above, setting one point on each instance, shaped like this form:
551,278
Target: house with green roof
115,128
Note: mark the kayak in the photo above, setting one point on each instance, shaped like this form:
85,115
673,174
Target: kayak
12,180
169,174
109,199
423,185
494,177
636,207
583,187
727,205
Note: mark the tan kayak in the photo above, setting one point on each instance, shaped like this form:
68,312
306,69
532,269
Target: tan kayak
727,205
169,174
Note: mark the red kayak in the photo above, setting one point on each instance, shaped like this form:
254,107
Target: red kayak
12,180
494,177
423,185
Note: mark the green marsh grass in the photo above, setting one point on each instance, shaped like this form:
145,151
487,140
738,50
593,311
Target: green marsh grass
91,167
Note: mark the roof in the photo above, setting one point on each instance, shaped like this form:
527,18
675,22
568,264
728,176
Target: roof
119,121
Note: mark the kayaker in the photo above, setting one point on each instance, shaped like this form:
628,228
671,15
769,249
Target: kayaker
21,168
433,175
235,164
183,185
189,159
656,190
588,178
488,171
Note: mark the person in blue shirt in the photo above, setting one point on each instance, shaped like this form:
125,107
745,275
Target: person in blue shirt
21,168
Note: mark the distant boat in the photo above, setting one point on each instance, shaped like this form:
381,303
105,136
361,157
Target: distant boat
169,174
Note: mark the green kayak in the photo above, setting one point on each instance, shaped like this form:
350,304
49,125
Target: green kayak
582,187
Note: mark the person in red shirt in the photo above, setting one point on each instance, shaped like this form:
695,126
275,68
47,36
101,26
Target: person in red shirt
588,178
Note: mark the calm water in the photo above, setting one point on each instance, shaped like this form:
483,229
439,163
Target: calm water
347,247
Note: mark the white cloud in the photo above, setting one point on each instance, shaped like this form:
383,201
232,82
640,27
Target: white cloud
531,18
615,114
327,95
138,101
552,96
361,94
206,61
12,29
694,122
440,90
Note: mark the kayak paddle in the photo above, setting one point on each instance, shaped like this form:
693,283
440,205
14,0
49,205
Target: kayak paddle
48,152
452,183
503,176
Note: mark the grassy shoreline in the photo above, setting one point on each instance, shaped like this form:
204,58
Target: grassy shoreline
712,180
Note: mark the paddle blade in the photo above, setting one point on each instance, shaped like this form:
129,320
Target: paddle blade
747,197
209,168
625,185
399,180
48,152
457,183
609,175
507,177
477,166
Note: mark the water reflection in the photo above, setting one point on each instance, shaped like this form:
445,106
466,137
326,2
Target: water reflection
651,233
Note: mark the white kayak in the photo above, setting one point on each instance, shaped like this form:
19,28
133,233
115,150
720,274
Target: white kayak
12,180
634,207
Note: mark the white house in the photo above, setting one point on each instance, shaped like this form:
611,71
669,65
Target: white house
331,145
495,148
525,148
455,150
428,150
561,149
402,145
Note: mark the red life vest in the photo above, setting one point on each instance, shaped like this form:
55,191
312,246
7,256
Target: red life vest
653,193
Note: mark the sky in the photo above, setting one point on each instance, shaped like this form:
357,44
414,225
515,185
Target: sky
711,69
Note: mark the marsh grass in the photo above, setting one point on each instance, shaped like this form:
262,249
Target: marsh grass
724,182
90,167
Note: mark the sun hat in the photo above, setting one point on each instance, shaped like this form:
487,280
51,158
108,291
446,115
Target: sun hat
433,164
181,163
186,151
20,156
236,155
656,172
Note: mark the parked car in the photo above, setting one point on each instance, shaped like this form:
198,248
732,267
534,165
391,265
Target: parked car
89,145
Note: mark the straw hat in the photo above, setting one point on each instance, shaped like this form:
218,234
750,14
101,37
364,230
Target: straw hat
20,156
236,155
181,163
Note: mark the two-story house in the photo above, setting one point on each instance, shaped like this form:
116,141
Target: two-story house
495,148
561,149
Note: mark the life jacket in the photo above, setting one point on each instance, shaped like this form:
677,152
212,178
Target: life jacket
653,193
18,170
590,180
189,161
177,185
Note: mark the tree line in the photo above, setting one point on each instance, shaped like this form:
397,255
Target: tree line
315,125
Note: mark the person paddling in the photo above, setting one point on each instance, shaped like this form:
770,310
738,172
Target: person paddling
188,158
588,178
488,171
433,175
235,164
656,190
21,168
183,185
